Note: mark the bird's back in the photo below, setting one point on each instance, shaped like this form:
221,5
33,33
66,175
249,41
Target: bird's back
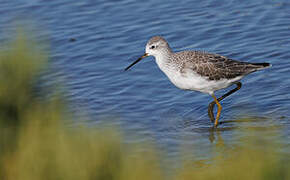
214,66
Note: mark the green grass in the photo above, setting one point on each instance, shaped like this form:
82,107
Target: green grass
35,144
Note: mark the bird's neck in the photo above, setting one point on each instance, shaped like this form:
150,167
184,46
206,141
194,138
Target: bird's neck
163,59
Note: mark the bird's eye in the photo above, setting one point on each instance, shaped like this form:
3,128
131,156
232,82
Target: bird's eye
152,47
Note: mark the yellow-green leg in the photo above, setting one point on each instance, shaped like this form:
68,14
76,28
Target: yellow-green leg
211,105
218,111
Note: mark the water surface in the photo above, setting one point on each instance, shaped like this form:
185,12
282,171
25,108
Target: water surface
93,41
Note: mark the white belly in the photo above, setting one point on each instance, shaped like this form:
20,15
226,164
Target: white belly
189,80
193,81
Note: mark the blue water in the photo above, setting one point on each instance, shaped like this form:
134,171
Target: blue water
109,35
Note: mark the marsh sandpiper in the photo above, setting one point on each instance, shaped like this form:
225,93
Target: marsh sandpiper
199,71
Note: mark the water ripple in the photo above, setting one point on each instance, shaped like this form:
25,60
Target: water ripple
109,35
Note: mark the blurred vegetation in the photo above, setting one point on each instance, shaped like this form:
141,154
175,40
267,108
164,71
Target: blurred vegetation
35,144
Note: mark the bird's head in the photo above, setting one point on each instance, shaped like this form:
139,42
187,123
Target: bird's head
156,46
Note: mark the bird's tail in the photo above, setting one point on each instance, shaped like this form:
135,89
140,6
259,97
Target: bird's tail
260,66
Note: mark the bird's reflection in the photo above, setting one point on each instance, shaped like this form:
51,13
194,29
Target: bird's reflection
252,123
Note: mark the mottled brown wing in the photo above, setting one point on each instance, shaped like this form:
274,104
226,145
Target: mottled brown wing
215,66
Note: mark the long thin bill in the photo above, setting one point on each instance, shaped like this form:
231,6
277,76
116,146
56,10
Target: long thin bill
139,59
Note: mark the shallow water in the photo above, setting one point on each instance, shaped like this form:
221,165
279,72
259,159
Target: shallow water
93,41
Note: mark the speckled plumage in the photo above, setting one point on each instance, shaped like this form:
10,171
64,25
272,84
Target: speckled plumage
208,65
213,66
196,70
199,71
